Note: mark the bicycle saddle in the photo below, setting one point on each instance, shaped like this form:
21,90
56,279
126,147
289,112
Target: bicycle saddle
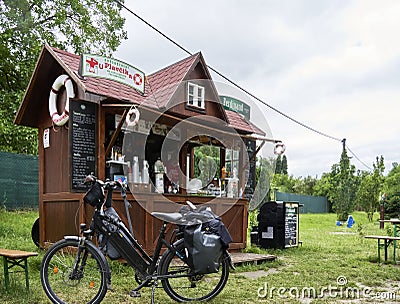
168,217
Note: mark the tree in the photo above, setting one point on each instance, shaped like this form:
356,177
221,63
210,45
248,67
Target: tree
284,183
25,25
278,165
206,163
264,173
370,188
305,185
344,188
392,185
14,138
284,165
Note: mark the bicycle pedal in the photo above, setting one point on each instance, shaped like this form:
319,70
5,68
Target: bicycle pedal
135,294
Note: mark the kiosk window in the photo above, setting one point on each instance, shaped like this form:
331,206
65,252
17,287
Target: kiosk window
232,161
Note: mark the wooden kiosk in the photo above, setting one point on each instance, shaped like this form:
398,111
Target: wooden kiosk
178,100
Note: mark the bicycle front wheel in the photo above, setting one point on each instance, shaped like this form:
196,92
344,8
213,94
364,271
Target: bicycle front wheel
182,285
70,275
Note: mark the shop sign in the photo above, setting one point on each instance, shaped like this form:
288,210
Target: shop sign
233,104
112,69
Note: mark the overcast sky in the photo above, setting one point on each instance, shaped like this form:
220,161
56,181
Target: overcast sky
333,65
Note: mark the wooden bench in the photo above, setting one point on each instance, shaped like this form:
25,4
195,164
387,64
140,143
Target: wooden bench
387,241
12,258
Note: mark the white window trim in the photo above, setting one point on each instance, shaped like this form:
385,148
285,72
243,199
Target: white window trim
195,95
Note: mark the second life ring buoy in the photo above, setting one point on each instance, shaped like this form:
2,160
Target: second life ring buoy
279,148
62,80
137,79
132,111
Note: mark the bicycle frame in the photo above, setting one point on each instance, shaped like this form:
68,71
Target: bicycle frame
130,249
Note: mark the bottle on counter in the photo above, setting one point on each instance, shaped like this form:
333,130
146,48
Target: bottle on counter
145,172
159,176
135,169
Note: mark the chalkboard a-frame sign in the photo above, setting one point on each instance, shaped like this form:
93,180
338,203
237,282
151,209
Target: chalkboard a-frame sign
83,141
291,224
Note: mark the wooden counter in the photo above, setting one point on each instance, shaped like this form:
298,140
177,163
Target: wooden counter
146,228
61,215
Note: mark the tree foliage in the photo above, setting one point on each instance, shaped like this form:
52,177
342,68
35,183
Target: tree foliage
392,185
370,188
284,165
281,165
278,165
25,25
344,182
17,139
264,176
284,183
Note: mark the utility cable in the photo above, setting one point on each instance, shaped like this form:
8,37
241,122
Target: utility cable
358,158
237,85
226,78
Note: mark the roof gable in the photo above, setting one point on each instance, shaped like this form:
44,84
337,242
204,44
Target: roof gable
160,87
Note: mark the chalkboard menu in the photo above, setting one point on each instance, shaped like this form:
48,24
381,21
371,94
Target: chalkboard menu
83,141
251,168
291,224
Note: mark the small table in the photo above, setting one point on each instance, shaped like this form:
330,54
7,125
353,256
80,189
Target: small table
394,222
387,240
13,258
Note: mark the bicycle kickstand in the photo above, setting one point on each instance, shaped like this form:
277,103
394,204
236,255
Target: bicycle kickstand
135,293
153,289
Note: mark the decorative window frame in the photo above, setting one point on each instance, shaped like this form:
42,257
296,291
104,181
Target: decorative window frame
195,96
232,161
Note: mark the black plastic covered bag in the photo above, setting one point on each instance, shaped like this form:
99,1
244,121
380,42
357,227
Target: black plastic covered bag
205,249
205,240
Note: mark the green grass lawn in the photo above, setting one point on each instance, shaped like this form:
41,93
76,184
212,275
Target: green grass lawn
329,256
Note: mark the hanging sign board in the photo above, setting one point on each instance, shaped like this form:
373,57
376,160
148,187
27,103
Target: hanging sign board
112,69
235,105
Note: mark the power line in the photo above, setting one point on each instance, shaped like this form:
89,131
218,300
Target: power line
358,158
227,79
237,85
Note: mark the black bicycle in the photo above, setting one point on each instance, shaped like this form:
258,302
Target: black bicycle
75,270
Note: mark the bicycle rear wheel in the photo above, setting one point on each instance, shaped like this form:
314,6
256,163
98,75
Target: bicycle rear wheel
183,285
69,278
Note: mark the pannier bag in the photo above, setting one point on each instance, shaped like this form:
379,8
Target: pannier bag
205,242
204,249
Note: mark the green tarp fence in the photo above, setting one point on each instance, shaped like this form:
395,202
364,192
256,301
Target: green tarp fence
312,204
19,177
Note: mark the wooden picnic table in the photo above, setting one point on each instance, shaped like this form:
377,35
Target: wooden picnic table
394,222
387,241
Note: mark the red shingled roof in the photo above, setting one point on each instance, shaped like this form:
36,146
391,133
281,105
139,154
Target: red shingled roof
163,83
238,122
159,88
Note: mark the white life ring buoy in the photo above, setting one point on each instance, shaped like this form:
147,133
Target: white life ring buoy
129,122
62,80
279,148
137,79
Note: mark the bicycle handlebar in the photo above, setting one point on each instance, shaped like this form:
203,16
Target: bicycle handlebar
108,185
